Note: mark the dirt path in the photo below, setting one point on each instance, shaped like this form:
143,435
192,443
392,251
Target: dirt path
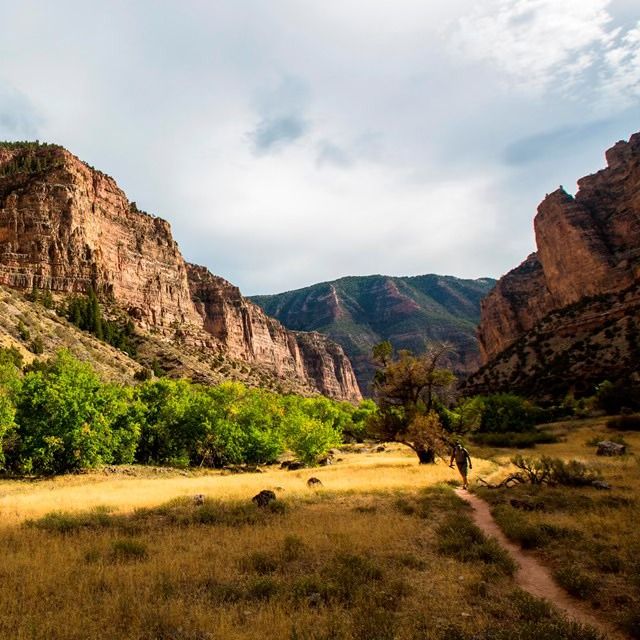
533,576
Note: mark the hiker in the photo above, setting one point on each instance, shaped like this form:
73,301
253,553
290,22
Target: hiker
463,459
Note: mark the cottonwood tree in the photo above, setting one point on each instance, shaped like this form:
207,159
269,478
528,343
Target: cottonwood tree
406,388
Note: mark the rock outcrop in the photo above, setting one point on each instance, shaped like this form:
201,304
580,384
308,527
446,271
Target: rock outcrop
579,291
66,227
249,335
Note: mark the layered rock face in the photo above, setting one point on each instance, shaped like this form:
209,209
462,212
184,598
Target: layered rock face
588,251
248,334
68,227
411,312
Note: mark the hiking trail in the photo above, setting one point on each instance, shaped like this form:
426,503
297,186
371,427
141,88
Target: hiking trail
531,575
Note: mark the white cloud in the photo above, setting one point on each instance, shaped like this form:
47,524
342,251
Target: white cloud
289,142
620,78
547,45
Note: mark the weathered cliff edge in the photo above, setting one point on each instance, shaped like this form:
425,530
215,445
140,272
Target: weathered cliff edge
66,227
566,318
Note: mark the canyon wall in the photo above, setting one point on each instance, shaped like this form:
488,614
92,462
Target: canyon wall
588,253
67,227
249,335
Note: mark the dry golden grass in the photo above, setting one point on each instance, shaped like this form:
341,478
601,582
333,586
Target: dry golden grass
384,551
396,468
589,538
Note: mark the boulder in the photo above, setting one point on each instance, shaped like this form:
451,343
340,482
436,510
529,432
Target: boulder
608,448
263,498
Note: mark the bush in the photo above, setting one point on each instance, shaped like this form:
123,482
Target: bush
506,412
514,440
529,536
625,422
545,470
459,538
127,549
259,562
572,473
614,397
36,346
577,583
60,417
65,522
68,420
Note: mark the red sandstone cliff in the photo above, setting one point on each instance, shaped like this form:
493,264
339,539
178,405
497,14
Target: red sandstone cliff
588,248
66,226
248,334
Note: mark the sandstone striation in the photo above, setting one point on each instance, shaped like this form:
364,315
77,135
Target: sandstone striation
581,281
249,335
67,227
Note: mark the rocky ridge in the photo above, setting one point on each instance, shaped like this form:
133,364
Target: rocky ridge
412,312
65,226
566,318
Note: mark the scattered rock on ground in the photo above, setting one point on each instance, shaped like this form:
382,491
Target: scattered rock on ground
608,448
242,468
263,498
294,465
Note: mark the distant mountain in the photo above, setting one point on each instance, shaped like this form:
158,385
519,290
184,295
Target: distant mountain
361,311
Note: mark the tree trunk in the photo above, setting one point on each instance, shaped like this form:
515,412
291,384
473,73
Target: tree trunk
425,455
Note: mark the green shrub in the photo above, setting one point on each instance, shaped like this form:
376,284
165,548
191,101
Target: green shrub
506,412
625,422
514,440
572,473
348,574
459,538
36,346
60,417
67,522
128,549
262,589
292,548
259,562
576,582
67,419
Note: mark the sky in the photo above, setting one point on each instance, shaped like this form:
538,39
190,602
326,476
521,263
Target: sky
295,141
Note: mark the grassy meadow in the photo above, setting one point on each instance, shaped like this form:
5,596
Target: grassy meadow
383,550
589,538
